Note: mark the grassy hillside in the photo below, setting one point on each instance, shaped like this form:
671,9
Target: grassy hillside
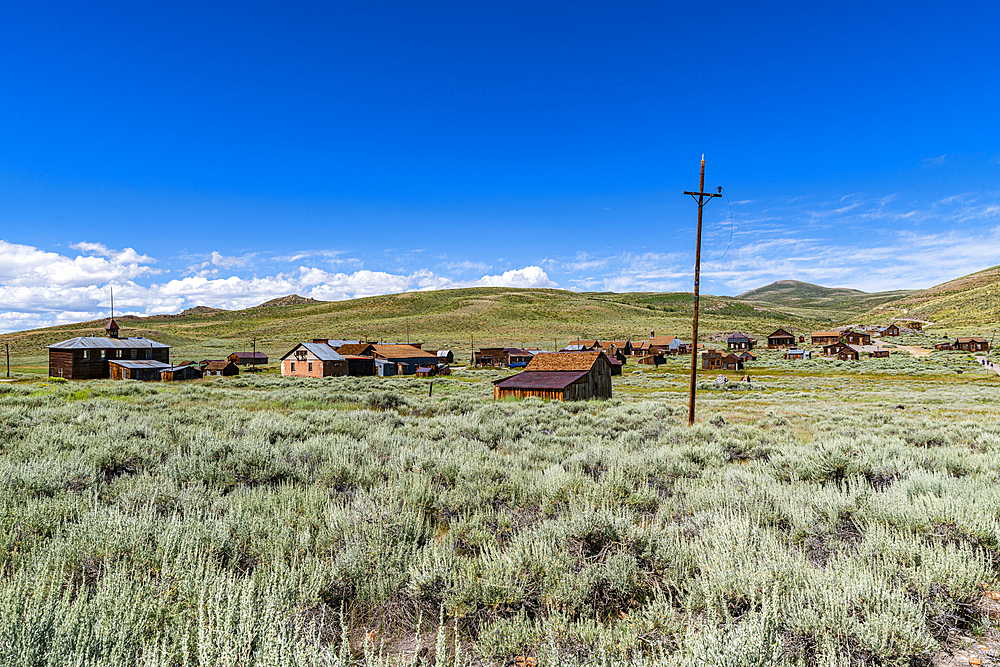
813,301
445,318
971,302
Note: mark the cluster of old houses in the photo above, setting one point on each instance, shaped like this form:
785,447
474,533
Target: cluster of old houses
581,370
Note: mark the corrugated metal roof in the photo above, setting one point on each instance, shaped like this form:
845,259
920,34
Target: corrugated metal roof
541,380
95,343
322,352
140,363
564,361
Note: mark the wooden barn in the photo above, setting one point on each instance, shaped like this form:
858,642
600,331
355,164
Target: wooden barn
147,370
561,376
445,357
87,357
856,337
825,337
971,344
179,373
223,367
248,358
779,339
315,360
712,360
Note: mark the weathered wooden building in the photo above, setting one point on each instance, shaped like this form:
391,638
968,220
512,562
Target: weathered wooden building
147,370
779,339
824,337
248,358
712,360
179,373
359,365
563,376
87,357
316,360
223,367
740,341
445,357
357,349
891,330
971,344
401,359
503,357
797,353
856,337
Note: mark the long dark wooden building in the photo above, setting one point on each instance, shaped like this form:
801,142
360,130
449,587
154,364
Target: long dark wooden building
561,376
87,357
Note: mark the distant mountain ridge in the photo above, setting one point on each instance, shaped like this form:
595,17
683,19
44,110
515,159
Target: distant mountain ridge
806,299
969,301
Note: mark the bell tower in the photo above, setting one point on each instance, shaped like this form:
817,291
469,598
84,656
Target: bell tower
111,328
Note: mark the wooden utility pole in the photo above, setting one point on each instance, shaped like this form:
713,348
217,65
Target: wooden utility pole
699,197
6,347
472,359
253,360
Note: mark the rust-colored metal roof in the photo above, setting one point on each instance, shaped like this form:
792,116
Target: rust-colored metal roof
540,380
402,352
661,341
564,361
140,363
354,348
250,355
825,334
971,339
111,325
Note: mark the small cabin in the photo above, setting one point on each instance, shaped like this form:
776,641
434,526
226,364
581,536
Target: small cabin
891,330
971,344
181,373
445,357
248,358
224,368
797,353
714,360
146,370
780,339
825,337
740,341
852,337
562,376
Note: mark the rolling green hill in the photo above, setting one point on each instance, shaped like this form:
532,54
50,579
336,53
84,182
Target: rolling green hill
443,319
971,302
836,304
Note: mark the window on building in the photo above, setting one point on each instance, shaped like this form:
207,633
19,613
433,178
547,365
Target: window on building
135,354
293,366
310,367
86,355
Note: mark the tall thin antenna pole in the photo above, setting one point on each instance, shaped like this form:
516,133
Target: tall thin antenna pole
112,302
701,194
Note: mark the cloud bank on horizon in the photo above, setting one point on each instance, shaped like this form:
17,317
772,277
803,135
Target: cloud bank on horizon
42,287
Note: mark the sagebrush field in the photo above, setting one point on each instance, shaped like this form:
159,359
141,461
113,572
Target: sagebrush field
826,513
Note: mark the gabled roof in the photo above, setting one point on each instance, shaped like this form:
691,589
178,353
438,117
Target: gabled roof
825,334
781,333
94,343
971,339
321,351
540,380
565,361
402,352
111,325
443,353
737,335
250,355
218,365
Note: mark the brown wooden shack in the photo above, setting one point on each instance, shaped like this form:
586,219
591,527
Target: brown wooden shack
856,337
713,360
971,344
248,358
224,368
891,330
147,370
825,337
779,339
562,376
179,373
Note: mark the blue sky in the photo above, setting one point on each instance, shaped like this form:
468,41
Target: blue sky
228,154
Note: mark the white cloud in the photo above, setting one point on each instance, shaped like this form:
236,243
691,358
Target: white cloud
22,265
223,262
